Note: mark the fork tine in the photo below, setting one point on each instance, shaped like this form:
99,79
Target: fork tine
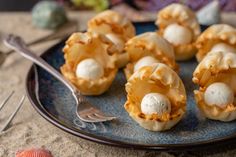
13,114
97,118
7,98
94,117
101,115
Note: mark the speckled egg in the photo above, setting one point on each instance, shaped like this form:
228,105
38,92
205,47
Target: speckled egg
48,14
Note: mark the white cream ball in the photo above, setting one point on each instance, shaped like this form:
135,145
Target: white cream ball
219,94
223,47
144,61
89,69
177,34
155,103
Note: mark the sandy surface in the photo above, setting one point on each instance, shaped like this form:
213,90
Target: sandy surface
29,129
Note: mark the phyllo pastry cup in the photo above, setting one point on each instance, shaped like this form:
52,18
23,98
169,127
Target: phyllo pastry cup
216,77
149,44
90,45
213,35
157,78
116,27
184,32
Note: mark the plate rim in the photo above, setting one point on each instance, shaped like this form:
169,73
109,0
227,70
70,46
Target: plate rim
108,141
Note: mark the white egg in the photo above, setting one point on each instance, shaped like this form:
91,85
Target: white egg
177,34
116,40
145,61
89,69
223,47
155,103
219,94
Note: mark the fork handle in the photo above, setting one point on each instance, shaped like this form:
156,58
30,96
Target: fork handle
17,43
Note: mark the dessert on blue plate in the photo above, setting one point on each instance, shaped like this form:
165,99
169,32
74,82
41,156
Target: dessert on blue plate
148,48
216,77
156,97
115,27
178,24
90,62
218,37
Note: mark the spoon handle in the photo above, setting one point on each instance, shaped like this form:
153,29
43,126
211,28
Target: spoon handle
17,43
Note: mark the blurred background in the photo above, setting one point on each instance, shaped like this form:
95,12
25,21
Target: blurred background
99,5
136,10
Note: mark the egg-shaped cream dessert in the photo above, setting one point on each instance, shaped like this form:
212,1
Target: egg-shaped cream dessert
146,49
115,27
218,37
216,77
156,97
178,24
90,62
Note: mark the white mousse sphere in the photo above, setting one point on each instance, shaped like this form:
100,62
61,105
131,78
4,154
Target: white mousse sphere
223,47
219,94
177,34
89,69
145,61
155,103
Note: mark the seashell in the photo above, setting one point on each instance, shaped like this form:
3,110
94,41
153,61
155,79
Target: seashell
186,19
209,14
216,67
34,153
218,33
149,44
157,78
92,45
116,27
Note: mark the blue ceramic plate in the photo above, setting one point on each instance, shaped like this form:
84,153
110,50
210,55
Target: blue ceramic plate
55,103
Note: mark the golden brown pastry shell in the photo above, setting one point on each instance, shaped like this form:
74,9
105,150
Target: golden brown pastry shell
156,78
214,112
216,67
90,45
182,15
212,35
111,22
149,44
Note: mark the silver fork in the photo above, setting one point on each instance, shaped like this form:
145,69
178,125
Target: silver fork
85,110
14,113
